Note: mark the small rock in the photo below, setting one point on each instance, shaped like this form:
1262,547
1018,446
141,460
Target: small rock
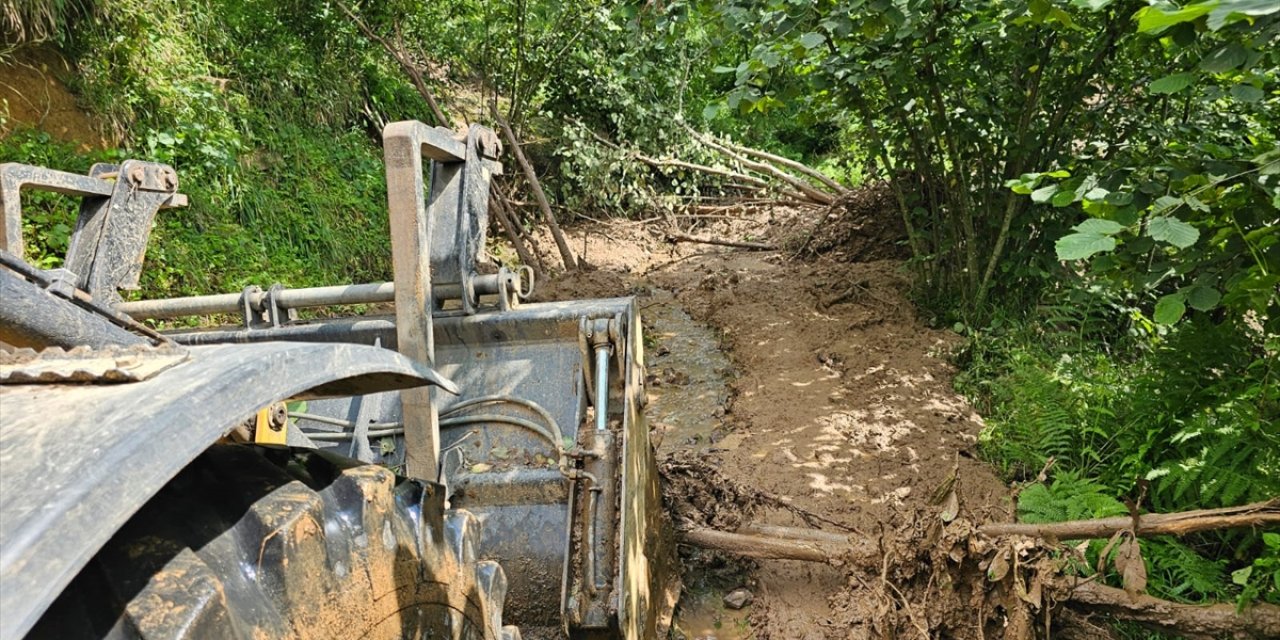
738,598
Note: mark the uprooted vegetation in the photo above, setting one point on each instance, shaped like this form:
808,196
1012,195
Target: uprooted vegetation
935,571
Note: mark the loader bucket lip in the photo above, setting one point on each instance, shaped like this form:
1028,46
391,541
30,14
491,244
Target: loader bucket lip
77,460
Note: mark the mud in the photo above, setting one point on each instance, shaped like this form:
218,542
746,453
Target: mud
819,398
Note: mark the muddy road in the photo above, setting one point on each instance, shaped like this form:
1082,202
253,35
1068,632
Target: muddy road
813,382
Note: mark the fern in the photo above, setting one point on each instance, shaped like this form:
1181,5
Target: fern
1180,573
1068,497
1192,412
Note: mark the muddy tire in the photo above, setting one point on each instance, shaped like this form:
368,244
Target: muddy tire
249,544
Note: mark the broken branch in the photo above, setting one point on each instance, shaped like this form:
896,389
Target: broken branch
566,254
823,549
754,246
803,187
1258,514
1205,621
790,164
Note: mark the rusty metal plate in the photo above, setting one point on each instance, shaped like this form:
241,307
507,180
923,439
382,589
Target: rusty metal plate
83,364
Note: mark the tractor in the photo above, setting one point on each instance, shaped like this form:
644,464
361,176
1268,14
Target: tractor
451,462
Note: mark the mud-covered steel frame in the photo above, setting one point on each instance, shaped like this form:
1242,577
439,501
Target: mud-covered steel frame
118,205
76,461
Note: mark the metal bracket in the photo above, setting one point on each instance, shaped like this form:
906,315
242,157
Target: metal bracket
109,241
271,426
457,198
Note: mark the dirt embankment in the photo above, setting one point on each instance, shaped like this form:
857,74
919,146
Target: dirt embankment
34,93
839,405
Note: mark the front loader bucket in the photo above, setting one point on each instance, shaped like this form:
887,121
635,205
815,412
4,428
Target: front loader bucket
584,554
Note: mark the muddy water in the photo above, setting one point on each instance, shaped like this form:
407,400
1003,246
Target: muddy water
689,389
688,376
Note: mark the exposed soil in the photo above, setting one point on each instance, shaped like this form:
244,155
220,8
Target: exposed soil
836,402
33,92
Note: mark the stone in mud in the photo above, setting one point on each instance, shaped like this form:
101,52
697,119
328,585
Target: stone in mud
738,598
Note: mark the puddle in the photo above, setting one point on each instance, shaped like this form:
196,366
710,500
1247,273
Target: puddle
688,375
703,616
688,388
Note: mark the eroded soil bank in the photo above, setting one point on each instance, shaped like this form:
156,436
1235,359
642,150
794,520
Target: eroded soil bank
813,382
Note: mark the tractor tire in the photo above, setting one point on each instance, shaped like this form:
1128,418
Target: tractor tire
250,543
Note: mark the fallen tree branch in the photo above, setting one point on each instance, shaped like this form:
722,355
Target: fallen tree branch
566,254
751,182
397,52
790,164
828,550
808,190
501,212
769,542
1258,514
754,246
1205,621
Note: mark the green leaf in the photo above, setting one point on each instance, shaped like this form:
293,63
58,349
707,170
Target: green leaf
1228,11
1170,308
1241,576
709,112
1063,198
1172,84
1246,93
1203,298
1092,5
1078,246
1096,194
1042,195
1099,226
1173,231
1155,19
811,40
1118,198
1224,59
1167,203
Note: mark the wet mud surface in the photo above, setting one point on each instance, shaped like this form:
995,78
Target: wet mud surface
813,382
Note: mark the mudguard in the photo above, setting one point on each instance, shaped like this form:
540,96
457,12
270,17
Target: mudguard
77,460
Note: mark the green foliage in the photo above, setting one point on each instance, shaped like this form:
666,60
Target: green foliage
1068,497
1183,416
48,218
1194,187
265,108
1261,579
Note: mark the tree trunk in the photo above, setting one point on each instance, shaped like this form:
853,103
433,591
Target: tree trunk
1197,621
